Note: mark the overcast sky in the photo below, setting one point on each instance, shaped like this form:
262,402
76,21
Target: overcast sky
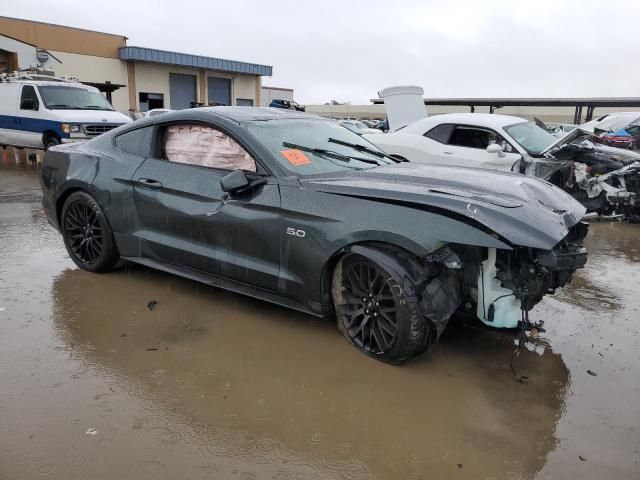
348,50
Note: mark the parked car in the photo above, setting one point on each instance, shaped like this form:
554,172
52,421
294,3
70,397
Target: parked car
634,130
620,129
278,206
611,122
155,111
621,138
559,130
39,113
356,126
503,142
371,123
286,104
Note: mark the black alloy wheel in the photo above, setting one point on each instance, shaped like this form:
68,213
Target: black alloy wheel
87,235
83,231
370,316
378,304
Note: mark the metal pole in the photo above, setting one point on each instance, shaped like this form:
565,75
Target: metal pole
590,110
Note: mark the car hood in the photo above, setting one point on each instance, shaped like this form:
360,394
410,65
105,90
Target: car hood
91,116
524,211
622,155
566,139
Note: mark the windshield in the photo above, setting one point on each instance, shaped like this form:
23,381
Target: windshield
530,137
314,134
72,98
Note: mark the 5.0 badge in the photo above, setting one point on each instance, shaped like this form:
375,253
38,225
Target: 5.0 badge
295,232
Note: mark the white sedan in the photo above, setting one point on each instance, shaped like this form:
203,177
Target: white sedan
497,142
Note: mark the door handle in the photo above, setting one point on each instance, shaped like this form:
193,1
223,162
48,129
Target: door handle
448,153
149,183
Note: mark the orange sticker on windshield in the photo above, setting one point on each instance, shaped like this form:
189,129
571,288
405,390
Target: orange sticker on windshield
295,157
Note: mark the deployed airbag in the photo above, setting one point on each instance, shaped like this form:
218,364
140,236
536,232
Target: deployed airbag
206,147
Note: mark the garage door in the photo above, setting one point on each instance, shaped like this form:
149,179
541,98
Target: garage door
219,90
182,90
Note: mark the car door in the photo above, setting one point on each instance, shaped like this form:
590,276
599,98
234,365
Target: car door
187,219
466,146
28,120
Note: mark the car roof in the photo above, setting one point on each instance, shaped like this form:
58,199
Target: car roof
489,120
47,83
242,114
624,114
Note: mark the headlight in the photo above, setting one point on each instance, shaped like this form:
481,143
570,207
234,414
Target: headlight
71,128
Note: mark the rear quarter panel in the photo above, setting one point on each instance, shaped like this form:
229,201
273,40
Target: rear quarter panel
96,167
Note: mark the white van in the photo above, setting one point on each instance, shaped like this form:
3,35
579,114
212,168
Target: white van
39,113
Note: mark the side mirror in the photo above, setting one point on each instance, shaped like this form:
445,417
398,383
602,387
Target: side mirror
28,104
234,182
495,148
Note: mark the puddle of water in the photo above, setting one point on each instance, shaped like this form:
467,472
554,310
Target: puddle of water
210,384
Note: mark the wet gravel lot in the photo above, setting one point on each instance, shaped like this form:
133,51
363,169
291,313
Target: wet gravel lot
209,384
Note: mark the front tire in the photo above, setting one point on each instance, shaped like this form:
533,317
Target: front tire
375,313
87,234
50,141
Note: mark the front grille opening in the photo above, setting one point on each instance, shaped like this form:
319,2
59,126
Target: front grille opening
93,130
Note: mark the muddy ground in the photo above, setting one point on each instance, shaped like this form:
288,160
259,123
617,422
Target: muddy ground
208,384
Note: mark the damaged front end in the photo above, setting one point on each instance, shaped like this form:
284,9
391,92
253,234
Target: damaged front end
605,180
621,188
498,285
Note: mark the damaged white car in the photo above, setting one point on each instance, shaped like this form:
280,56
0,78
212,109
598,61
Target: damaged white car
605,180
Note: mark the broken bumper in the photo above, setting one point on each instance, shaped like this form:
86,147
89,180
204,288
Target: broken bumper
571,259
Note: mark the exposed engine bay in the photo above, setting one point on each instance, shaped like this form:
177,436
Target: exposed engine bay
606,180
498,285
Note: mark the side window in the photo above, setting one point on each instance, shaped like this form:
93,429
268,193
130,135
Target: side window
29,99
473,137
441,133
204,146
136,142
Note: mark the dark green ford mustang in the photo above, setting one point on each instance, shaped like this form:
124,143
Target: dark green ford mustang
297,210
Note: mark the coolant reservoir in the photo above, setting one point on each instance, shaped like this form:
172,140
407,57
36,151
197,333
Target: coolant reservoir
497,306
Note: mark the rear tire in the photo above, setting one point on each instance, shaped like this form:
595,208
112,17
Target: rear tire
87,234
374,312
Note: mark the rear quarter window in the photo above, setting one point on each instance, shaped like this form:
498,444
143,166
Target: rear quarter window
136,142
440,133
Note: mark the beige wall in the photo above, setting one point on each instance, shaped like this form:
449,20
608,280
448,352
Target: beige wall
95,69
244,86
154,78
62,39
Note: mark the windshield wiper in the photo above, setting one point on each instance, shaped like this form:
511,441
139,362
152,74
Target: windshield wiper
63,106
329,153
97,107
364,148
